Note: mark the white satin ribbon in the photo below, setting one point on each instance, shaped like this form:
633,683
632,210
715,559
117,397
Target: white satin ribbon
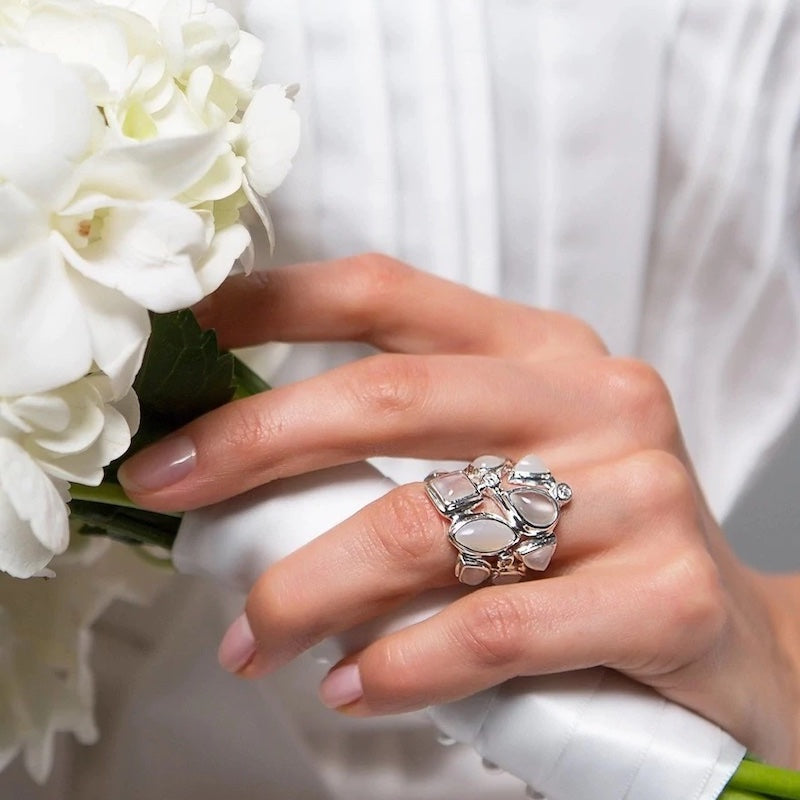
592,733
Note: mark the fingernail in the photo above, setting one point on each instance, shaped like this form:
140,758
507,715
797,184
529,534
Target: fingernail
341,687
159,466
238,646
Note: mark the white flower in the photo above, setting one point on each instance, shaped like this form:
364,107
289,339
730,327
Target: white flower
46,441
46,684
92,237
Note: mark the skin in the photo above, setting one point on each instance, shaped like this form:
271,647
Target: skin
643,580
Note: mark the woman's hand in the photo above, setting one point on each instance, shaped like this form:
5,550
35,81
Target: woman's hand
642,580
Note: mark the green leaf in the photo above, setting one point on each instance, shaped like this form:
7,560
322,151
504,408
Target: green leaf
184,374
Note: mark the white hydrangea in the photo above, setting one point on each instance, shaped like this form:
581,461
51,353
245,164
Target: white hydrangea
130,137
46,683
47,441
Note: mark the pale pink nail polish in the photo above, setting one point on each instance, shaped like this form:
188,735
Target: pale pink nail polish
238,646
159,466
341,687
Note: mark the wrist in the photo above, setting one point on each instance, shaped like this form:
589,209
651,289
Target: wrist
780,595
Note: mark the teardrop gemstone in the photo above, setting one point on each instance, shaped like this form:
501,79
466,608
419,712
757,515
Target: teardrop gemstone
483,536
536,556
537,508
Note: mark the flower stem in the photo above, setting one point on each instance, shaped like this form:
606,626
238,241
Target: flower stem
763,779
738,794
107,493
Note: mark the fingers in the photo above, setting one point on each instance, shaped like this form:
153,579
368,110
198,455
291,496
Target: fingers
417,406
378,300
397,548
651,620
387,405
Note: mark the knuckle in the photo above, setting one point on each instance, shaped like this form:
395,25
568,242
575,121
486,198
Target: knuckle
373,283
492,633
693,594
660,482
406,527
575,333
389,384
389,675
267,609
248,427
642,400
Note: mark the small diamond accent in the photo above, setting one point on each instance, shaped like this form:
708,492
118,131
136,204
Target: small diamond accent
445,741
489,480
564,492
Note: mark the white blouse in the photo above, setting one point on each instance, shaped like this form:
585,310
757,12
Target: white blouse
634,162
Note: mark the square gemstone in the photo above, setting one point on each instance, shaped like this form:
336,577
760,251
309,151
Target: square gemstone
452,491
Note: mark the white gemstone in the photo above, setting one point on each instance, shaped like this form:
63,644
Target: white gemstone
531,465
537,557
471,573
564,492
484,536
453,488
536,508
488,462
445,740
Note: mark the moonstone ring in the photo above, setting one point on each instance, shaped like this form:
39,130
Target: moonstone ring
502,516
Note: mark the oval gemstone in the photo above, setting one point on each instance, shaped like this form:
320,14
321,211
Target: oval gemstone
536,508
484,536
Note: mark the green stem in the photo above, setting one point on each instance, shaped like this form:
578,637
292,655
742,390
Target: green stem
107,493
773,781
248,382
737,794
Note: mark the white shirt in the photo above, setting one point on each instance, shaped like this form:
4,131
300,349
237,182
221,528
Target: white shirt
633,162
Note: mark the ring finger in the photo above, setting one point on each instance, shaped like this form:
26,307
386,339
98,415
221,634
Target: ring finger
397,548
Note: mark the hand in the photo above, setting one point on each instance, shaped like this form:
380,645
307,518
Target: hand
642,580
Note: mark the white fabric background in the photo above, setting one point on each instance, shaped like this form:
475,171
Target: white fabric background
631,161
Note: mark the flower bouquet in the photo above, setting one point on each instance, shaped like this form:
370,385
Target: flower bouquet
135,150
134,146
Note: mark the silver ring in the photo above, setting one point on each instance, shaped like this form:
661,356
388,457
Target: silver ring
502,516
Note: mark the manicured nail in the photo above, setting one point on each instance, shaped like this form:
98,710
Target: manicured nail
159,466
341,687
238,646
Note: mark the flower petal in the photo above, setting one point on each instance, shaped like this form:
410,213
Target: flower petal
46,126
33,517
156,169
245,62
82,34
269,138
227,245
40,313
118,328
148,252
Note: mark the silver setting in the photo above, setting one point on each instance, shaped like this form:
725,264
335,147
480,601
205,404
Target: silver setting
502,517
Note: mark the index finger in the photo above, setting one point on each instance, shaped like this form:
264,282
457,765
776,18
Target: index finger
380,301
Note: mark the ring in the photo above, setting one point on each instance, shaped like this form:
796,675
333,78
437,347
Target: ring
502,516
